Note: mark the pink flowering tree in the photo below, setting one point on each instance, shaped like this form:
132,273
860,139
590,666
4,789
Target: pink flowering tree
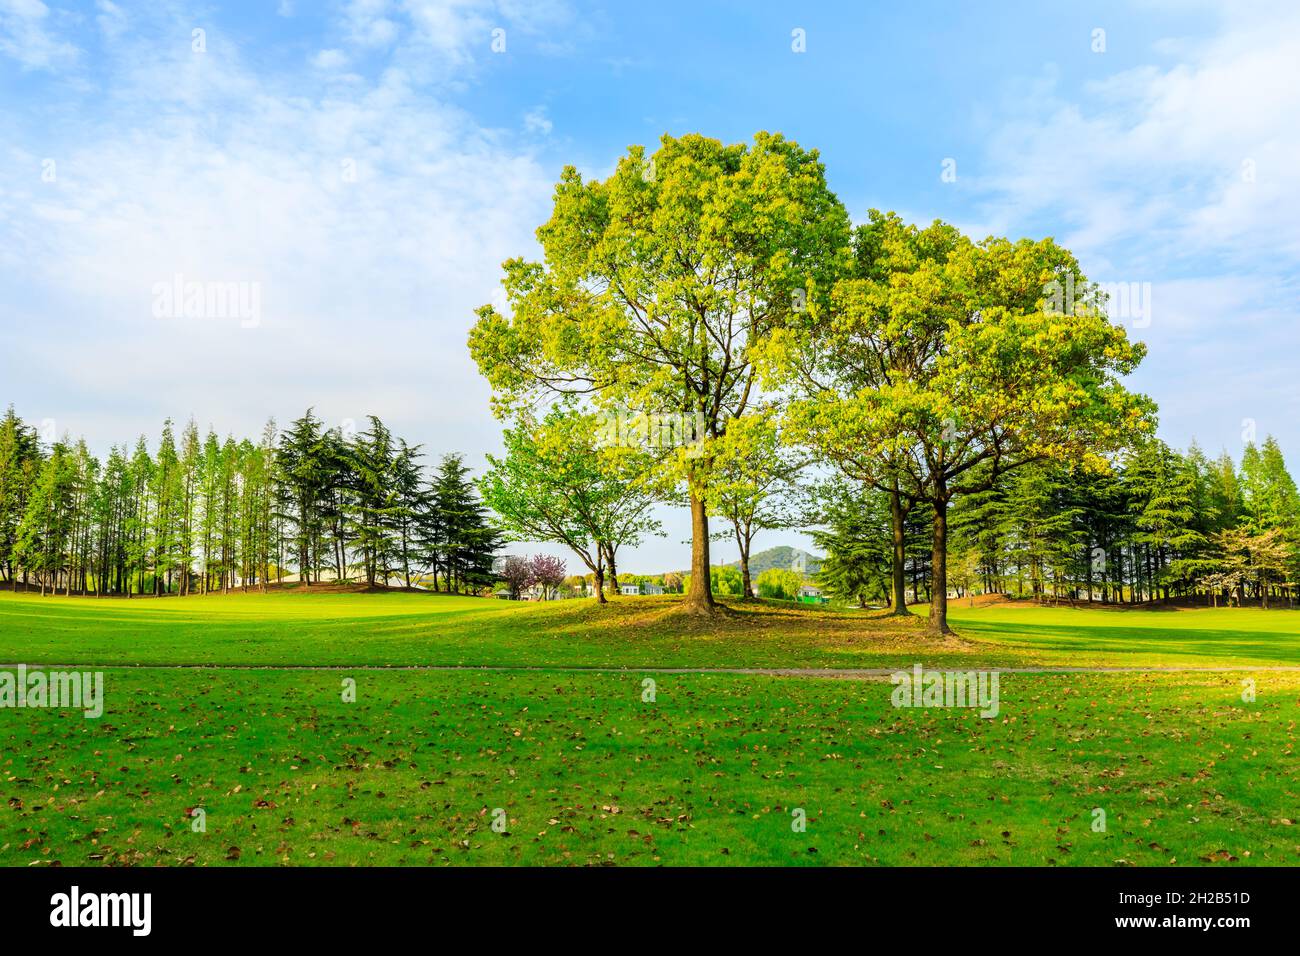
517,572
547,571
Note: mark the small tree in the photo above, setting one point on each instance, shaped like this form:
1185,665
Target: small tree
1259,559
556,484
964,573
756,485
726,580
547,571
517,572
1221,582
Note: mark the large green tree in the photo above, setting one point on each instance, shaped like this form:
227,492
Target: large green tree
885,317
971,364
656,285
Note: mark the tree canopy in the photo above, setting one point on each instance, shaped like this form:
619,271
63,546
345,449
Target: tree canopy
942,365
656,285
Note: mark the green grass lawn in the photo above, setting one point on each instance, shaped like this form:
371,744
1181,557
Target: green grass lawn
709,773
587,772
1179,637
403,628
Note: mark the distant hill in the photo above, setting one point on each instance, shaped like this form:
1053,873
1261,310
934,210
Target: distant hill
783,558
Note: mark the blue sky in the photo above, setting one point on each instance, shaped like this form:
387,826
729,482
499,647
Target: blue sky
368,164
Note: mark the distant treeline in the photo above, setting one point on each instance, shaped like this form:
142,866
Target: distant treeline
1160,524
201,514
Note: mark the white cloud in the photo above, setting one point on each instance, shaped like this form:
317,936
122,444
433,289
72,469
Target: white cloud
445,40
1186,176
1182,173
368,23
452,28
26,36
111,19
1212,359
330,60
374,221
536,121
1164,154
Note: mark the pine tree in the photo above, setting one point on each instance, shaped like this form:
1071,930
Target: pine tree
219,515
188,489
374,455
20,458
339,486
1279,505
1163,490
1224,494
44,536
302,467
165,476
856,541
1039,523
468,541
412,498
211,470
978,524
137,520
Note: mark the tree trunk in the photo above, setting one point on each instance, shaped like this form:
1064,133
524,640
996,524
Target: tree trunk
613,568
1087,566
896,519
939,563
700,599
599,572
743,542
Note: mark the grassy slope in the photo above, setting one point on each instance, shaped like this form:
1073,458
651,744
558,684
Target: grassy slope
295,628
708,773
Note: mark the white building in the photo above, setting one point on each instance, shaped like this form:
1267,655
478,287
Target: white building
811,594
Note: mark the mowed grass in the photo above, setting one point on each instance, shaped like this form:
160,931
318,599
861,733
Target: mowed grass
300,628
587,772
1174,636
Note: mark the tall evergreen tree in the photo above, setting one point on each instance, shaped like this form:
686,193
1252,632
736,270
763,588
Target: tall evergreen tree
856,541
302,466
468,540
20,457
